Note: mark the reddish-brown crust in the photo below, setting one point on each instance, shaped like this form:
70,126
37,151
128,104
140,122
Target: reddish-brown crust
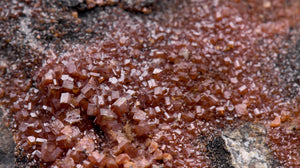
143,94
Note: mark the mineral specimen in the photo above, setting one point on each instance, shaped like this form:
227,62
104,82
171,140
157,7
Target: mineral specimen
148,87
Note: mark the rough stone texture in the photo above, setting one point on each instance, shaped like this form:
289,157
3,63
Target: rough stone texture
248,147
243,147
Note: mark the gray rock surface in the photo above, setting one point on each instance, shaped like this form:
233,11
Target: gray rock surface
7,146
248,148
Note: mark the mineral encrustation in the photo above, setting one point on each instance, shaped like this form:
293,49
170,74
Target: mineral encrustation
142,90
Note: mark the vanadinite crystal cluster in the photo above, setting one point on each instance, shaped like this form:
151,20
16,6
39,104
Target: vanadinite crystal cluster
148,91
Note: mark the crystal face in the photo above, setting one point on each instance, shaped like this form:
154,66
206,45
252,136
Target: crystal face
147,93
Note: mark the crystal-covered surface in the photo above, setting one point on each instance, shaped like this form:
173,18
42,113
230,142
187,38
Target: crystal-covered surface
146,93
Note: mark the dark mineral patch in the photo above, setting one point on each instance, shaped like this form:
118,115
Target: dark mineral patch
288,63
145,6
141,6
218,154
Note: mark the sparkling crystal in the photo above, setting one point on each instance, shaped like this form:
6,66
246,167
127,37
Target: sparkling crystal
276,122
71,131
31,139
86,144
120,106
68,84
153,147
241,109
92,109
49,152
152,83
157,71
107,114
142,130
97,158
56,126
115,95
111,163
49,76
73,116
65,98
87,90
122,158
100,101
188,116
139,115
113,80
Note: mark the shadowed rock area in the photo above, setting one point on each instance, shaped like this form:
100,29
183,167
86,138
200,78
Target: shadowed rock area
7,157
